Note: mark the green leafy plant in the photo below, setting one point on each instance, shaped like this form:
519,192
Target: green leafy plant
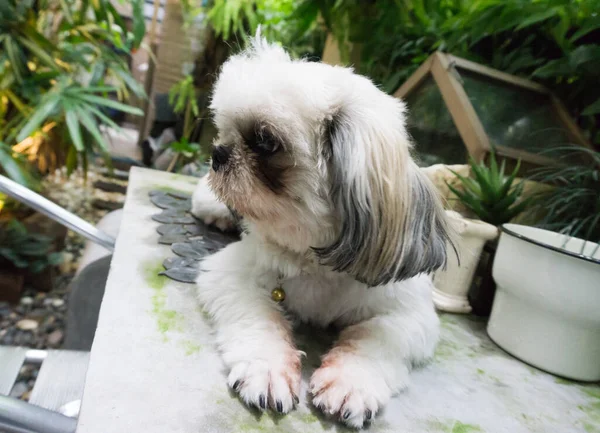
287,22
63,73
493,196
232,17
572,205
551,41
12,164
26,250
186,152
80,107
183,99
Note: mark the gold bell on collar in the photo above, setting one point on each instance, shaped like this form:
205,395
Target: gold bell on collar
278,294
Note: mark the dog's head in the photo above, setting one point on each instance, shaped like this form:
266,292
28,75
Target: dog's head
316,155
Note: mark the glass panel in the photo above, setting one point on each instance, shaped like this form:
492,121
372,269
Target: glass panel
436,139
514,116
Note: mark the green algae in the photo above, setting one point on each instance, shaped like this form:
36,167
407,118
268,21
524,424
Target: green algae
452,426
191,347
166,320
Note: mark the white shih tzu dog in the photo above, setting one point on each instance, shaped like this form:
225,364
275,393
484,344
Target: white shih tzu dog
340,227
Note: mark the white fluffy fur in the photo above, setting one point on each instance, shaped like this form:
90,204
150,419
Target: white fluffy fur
208,208
385,329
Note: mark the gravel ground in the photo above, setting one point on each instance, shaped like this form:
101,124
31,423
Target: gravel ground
39,320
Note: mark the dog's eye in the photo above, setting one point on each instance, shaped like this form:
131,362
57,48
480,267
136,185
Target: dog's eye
265,144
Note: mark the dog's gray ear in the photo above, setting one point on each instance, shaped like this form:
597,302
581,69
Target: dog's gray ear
392,223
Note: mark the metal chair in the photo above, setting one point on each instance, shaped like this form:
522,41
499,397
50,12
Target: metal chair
54,401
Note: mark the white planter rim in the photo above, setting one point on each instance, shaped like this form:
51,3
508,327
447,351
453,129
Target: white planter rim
513,230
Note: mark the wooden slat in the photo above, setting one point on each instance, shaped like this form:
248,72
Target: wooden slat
415,79
467,121
11,360
60,379
331,52
496,74
465,118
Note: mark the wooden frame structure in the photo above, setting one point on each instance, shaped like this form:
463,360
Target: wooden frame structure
442,67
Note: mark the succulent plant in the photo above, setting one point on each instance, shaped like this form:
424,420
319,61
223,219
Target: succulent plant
493,196
26,250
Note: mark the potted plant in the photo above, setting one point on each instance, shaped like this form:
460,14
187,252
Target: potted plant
547,302
494,198
23,256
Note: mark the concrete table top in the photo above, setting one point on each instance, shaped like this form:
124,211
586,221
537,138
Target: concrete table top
154,369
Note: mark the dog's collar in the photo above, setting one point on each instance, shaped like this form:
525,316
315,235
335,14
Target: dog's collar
278,294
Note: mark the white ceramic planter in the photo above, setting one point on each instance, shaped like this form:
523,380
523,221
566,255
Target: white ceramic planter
547,306
452,284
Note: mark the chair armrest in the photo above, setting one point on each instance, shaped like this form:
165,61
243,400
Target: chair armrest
57,213
17,416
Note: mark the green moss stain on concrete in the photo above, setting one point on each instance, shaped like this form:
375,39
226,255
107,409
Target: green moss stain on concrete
151,271
562,381
436,426
166,320
191,347
452,426
593,392
307,418
591,410
459,427
485,375
446,350
447,320
253,427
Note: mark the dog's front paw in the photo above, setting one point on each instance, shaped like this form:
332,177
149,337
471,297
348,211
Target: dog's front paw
214,213
267,384
349,388
206,207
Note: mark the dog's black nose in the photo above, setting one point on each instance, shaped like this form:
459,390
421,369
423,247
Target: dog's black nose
220,156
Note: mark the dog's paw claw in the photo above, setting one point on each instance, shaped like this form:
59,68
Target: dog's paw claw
349,391
261,384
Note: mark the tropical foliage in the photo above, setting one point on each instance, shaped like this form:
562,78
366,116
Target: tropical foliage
286,22
63,74
572,206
